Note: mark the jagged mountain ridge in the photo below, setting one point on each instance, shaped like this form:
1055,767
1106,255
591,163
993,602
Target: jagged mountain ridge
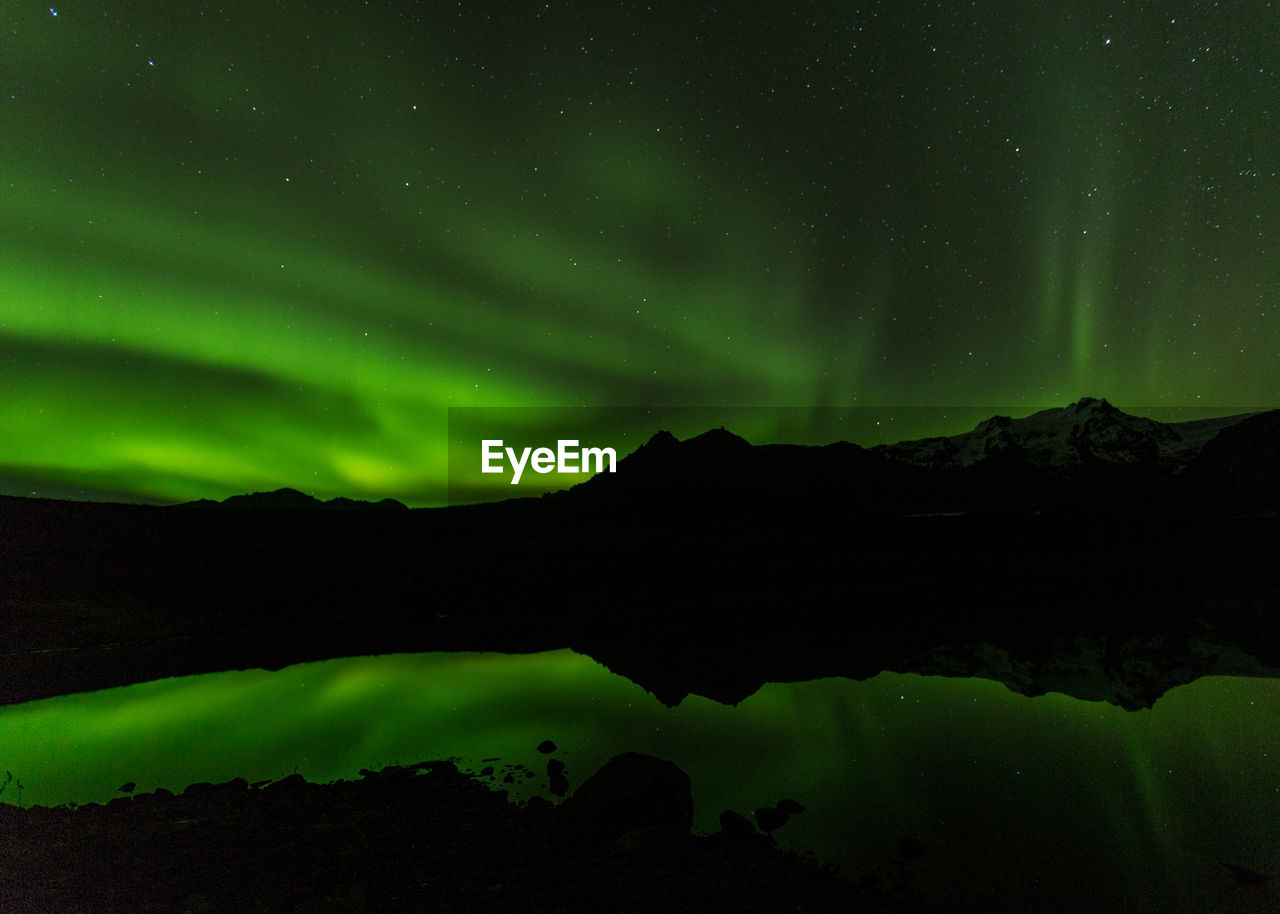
1088,455
1087,430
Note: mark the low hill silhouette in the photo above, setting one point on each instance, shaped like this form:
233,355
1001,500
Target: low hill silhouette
292,499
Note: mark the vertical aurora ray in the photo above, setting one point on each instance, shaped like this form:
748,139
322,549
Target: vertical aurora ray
1086,301
1081,206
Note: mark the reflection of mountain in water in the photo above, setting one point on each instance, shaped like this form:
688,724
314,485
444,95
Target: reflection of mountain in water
1078,550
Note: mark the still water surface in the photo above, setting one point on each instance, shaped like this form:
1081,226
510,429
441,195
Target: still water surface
1041,803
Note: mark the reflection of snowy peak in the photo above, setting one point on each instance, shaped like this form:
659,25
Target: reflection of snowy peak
1088,432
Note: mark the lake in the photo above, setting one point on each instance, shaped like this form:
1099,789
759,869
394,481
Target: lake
1037,803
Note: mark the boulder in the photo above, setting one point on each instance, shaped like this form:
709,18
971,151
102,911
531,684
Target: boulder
735,827
631,791
557,780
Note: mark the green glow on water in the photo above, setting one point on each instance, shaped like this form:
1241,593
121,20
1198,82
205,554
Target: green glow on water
1012,797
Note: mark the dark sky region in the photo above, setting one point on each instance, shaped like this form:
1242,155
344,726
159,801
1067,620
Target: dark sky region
258,244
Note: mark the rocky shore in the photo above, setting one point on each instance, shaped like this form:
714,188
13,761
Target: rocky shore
425,837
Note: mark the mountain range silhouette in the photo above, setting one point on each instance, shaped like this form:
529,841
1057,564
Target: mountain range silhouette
1086,457
1080,550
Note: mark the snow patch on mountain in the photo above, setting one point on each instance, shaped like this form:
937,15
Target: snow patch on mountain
1088,431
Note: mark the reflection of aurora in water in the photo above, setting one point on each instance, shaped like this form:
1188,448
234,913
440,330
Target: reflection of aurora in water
1001,789
254,248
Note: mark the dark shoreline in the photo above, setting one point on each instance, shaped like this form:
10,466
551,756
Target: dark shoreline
712,602
422,838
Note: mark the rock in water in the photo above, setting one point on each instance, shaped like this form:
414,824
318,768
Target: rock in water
558,782
735,826
770,819
634,790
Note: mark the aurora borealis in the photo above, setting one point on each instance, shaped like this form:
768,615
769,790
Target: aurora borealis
267,244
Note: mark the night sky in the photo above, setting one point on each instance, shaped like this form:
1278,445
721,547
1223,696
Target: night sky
264,244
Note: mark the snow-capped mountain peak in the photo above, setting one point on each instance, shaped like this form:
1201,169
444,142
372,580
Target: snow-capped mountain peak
1090,430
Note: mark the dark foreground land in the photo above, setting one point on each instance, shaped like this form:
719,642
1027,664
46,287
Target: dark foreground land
1112,582
1079,550
423,839
1117,607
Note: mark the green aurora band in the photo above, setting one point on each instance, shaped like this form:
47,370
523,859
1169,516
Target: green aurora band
271,246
